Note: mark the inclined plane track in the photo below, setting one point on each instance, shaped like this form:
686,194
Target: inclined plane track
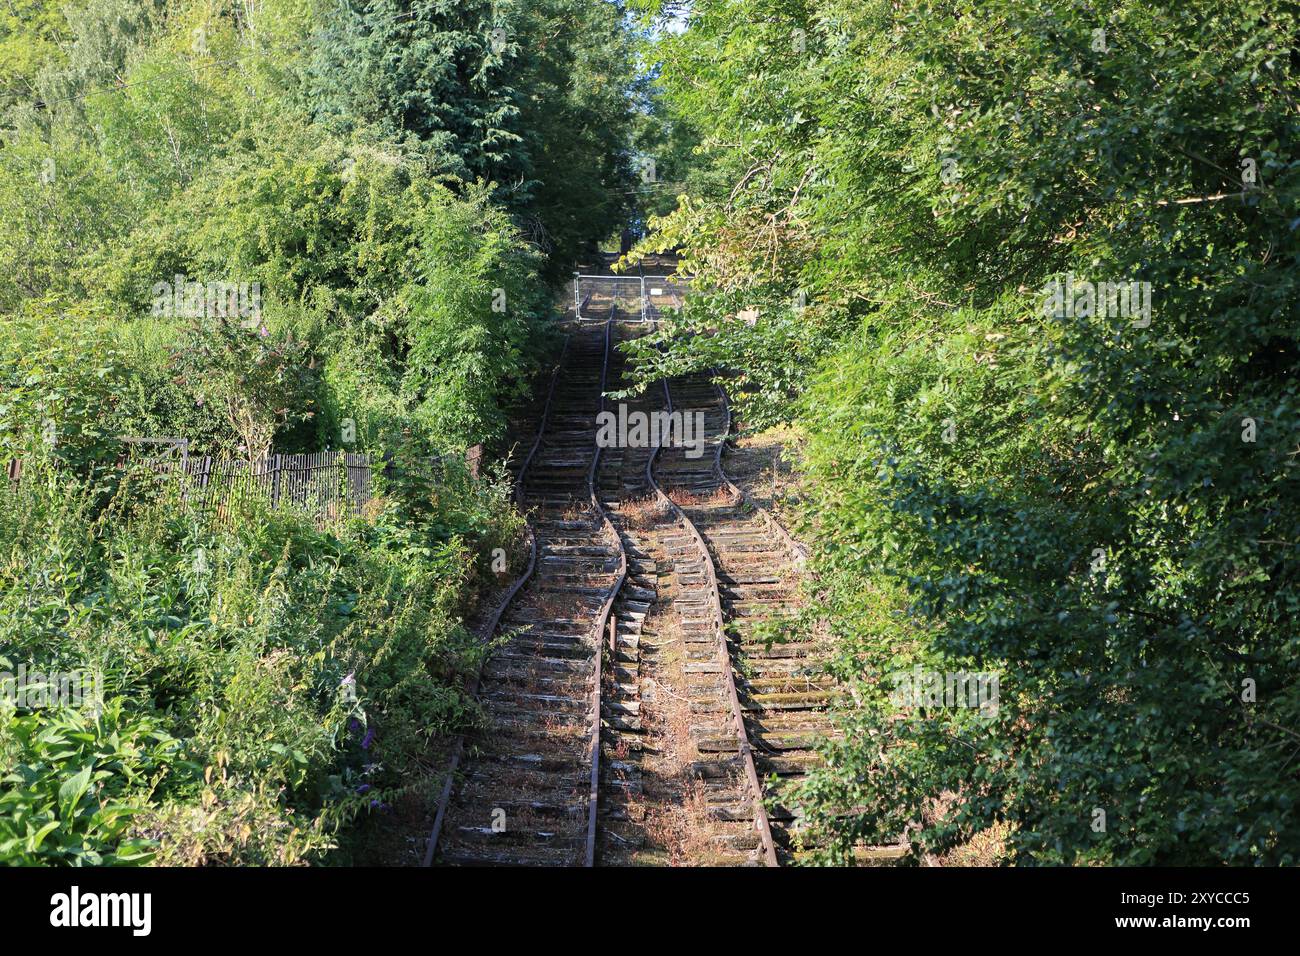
534,786
526,790
760,707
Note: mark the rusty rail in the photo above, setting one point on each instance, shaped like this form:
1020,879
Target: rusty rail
605,613
599,624
458,749
724,656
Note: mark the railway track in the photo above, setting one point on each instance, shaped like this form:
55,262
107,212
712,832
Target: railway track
760,708
551,778
526,793
737,825
651,525
622,484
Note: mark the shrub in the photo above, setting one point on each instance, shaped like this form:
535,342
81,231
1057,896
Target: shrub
307,669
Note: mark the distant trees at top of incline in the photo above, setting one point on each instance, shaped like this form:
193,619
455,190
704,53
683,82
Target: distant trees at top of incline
387,173
534,97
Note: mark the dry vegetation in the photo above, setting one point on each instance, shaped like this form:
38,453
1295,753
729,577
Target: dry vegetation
762,464
673,806
986,848
642,514
721,498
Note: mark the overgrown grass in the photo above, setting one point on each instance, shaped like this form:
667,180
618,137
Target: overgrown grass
266,683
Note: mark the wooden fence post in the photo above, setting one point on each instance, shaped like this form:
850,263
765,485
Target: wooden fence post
205,474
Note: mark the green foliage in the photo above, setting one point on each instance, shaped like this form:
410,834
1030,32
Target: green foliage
1066,500
262,380
58,198
306,670
468,332
30,36
767,362
379,201
74,781
445,80
60,384
202,141
532,97
580,113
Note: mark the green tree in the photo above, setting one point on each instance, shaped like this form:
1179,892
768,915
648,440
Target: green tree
1094,506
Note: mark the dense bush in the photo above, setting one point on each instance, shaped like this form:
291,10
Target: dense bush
226,144
264,680
1099,508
